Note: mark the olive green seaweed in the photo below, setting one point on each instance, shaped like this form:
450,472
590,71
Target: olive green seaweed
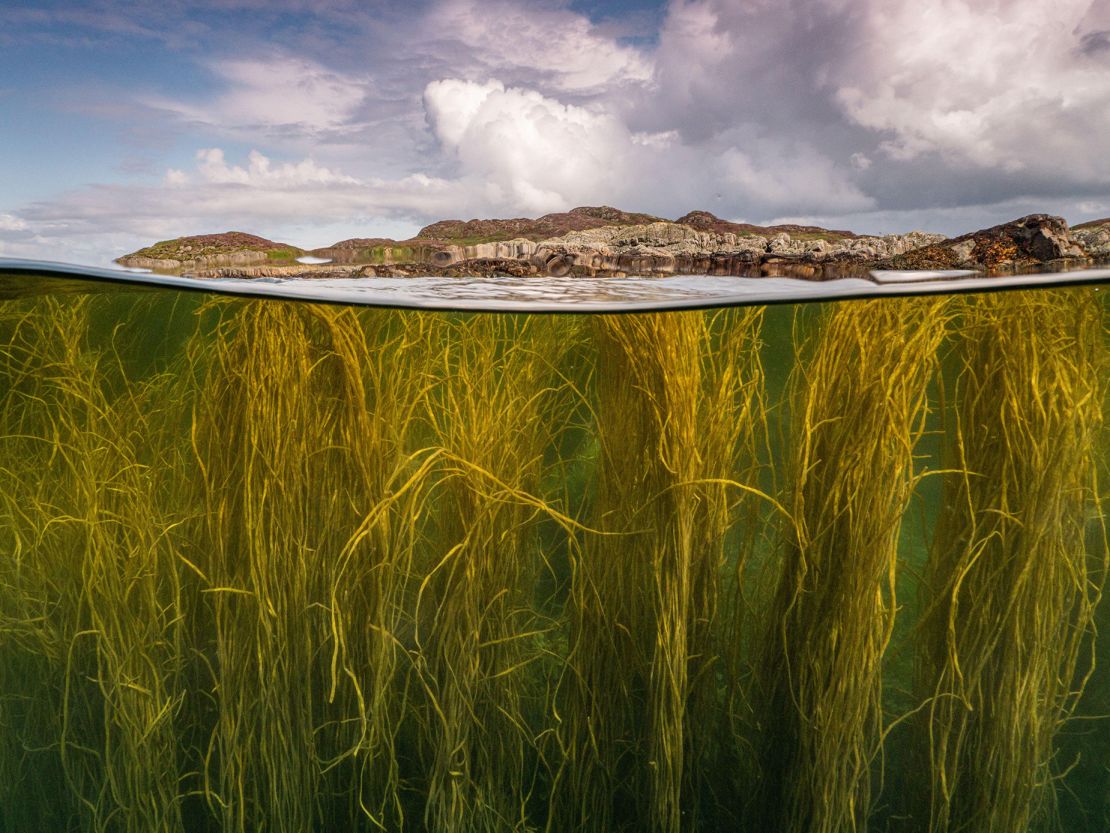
673,410
858,406
310,498
1012,586
295,568
495,399
90,670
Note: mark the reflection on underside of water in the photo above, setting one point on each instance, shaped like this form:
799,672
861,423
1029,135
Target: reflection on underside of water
543,294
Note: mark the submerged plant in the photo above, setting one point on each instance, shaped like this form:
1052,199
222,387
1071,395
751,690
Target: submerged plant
311,510
494,407
313,569
640,685
90,649
858,399
1011,584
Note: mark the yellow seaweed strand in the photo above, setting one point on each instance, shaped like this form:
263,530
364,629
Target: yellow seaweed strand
859,402
1012,586
493,408
674,407
90,638
311,505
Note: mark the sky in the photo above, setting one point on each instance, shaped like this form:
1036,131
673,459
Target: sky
122,123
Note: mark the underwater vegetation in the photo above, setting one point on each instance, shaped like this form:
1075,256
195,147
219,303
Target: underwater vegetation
1011,587
678,408
858,403
270,566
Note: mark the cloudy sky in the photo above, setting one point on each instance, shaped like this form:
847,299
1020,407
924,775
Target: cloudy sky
126,122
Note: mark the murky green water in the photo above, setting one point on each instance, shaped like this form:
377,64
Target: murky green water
272,566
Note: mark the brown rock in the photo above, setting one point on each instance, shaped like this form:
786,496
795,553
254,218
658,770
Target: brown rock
704,221
558,266
1025,243
605,241
549,225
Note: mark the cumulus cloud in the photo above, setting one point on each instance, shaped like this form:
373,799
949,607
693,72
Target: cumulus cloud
945,102
313,204
783,175
743,86
519,150
9,222
525,150
260,172
996,85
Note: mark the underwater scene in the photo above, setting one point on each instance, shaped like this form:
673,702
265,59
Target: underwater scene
270,565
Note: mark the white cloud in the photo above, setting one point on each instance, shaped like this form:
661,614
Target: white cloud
97,223
694,44
910,102
279,94
996,84
175,178
527,151
261,172
9,222
560,47
780,175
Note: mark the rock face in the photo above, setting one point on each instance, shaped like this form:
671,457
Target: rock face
668,248
206,251
1094,237
704,221
605,241
549,225
1021,244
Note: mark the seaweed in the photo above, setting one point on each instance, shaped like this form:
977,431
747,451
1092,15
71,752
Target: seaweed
673,409
287,567
1012,585
859,405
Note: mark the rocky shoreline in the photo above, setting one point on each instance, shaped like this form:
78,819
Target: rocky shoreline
607,242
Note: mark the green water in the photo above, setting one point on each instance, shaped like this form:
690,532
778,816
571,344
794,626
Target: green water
268,566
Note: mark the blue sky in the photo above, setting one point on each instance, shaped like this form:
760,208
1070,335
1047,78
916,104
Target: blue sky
126,122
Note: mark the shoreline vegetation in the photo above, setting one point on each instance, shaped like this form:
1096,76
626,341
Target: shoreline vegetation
608,242
292,567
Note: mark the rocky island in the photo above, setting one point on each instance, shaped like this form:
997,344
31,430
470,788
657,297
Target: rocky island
604,241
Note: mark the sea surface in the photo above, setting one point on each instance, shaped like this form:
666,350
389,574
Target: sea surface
672,554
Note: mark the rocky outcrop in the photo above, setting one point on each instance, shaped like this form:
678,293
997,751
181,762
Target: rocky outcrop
207,251
549,225
1027,243
860,249
1094,237
669,248
704,221
294,271
376,251
198,262
608,242
363,250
